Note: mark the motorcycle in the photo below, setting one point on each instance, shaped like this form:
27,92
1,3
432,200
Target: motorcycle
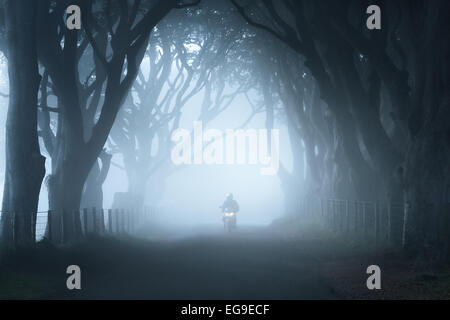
229,220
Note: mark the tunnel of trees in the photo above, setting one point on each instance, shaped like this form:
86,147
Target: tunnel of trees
367,111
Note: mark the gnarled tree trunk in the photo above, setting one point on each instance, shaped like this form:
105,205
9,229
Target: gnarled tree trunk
25,166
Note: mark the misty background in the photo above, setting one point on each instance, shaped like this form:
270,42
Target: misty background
192,193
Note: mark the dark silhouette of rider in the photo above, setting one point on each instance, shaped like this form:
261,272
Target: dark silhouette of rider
230,204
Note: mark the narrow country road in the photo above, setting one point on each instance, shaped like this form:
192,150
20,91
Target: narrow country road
250,263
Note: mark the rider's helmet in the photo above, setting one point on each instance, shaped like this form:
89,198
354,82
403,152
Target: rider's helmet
229,196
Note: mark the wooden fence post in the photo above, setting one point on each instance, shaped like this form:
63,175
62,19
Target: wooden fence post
305,203
389,230
338,216
347,215
14,231
132,220
117,221
122,225
49,223
377,217
330,214
33,229
63,214
344,216
308,206
321,207
337,209
364,219
85,218
99,220
333,212
130,211
74,228
102,220
337,204
110,220
305,207
94,220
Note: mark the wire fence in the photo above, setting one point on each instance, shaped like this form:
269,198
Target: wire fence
376,221
45,224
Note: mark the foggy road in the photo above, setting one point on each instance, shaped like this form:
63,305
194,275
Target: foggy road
250,263
130,128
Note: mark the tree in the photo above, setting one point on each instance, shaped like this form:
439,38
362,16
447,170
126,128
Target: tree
415,80
187,57
117,33
390,87
25,166
300,39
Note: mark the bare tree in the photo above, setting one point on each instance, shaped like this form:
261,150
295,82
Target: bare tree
183,62
25,166
117,33
359,73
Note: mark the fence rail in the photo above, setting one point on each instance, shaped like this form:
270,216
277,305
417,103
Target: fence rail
91,221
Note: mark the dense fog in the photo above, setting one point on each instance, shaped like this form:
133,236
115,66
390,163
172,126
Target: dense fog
279,139
193,193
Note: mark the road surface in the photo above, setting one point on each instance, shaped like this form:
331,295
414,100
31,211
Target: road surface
250,263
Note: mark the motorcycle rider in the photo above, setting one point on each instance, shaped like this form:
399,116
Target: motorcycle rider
231,205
